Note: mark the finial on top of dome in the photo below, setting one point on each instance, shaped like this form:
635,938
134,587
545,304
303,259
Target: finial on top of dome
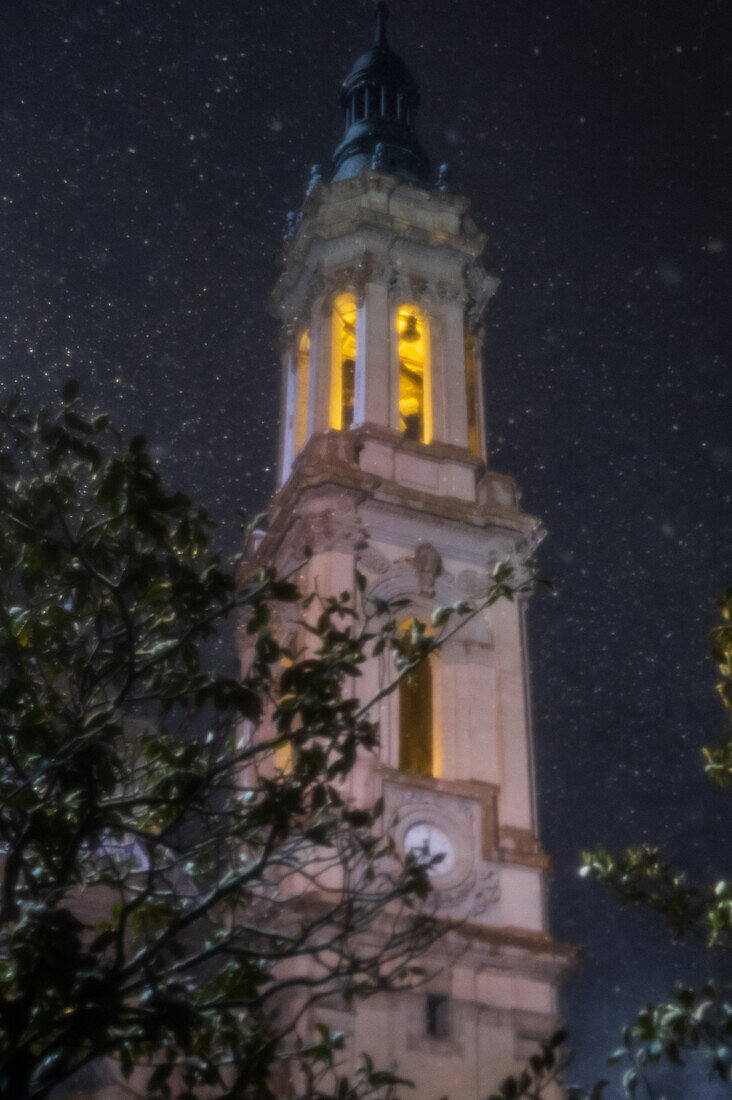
382,16
380,98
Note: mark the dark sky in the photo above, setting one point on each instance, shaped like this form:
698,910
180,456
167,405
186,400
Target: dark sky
150,153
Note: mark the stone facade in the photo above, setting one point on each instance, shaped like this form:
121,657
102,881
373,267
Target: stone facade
426,521
387,243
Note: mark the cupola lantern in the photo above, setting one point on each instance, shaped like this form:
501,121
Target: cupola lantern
382,294
379,98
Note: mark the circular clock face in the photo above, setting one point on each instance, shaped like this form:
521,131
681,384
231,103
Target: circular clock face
425,841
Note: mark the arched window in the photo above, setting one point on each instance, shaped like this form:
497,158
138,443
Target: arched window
415,409
303,382
344,362
415,720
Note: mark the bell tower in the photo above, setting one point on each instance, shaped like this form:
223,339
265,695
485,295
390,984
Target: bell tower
383,467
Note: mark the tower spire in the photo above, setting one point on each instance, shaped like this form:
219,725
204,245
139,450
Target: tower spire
379,98
382,16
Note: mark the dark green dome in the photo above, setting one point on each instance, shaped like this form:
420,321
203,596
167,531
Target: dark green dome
379,98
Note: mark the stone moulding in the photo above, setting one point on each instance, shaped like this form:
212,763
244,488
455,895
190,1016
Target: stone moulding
330,460
382,219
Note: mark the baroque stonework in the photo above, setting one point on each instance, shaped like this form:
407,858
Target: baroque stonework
372,561
428,566
472,888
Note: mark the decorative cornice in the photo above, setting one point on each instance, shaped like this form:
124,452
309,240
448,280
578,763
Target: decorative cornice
376,205
330,460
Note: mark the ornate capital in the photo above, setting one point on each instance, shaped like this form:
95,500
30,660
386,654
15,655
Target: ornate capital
451,292
376,268
480,289
372,561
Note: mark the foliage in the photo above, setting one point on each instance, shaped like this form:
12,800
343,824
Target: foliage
171,897
545,1068
719,758
694,1022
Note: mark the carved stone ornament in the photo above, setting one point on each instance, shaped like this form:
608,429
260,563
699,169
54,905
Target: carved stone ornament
354,276
315,283
427,565
399,284
324,531
405,285
451,292
481,288
376,269
372,561
419,286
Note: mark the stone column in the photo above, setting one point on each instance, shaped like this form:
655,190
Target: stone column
394,368
451,314
372,396
321,354
516,796
289,413
437,372
480,394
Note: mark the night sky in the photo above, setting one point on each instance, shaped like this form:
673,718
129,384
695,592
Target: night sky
150,152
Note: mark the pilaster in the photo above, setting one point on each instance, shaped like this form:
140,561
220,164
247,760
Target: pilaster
451,314
289,413
321,356
373,341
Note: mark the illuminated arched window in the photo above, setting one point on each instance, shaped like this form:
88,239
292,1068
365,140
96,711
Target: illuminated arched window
344,361
415,419
303,382
415,720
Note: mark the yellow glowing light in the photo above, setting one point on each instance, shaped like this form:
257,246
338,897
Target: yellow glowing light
471,393
343,363
420,738
415,405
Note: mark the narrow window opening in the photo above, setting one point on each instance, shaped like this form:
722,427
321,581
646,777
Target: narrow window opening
344,362
415,720
348,383
471,393
437,1016
414,420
